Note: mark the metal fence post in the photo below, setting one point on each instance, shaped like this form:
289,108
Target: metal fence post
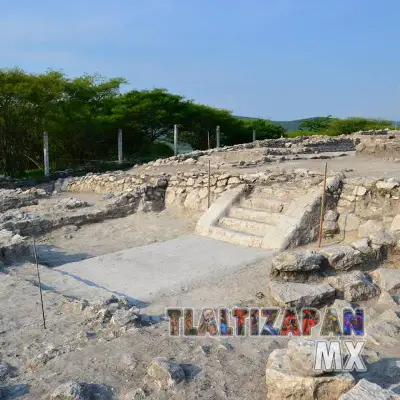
175,140
120,154
46,154
218,137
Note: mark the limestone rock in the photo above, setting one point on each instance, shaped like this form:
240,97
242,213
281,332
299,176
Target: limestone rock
190,161
383,332
297,261
395,227
366,390
122,317
284,382
72,203
386,299
70,228
387,185
299,294
333,184
340,304
342,258
363,246
330,228
331,215
5,371
386,369
165,372
349,222
136,394
382,239
396,386
70,391
354,286
369,228
301,354
12,245
359,191
234,180
390,315
388,279
82,391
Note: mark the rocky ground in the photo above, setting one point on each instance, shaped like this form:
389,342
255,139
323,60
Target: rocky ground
110,346
98,346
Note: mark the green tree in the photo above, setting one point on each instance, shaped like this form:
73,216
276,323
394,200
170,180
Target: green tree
27,102
316,124
350,125
69,109
145,116
264,128
199,121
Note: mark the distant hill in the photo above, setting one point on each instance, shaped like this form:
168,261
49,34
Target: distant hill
288,125
295,124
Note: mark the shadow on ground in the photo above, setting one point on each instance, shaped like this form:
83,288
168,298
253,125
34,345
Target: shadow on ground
131,300
52,256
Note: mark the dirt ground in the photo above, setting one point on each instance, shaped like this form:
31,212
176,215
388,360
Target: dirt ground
63,245
76,347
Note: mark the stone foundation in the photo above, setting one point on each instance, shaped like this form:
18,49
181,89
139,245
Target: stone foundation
382,144
187,189
366,199
273,150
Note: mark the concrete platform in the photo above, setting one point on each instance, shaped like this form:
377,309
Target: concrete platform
143,273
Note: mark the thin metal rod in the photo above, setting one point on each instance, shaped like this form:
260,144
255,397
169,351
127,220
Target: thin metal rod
209,183
40,284
321,220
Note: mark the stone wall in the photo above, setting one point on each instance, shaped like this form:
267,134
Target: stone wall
186,189
114,182
190,190
283,146
366,199
382,144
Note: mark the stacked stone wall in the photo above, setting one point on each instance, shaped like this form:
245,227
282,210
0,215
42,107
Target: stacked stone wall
186,189
368,199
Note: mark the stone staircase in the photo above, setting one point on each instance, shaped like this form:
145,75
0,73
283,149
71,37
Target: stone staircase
268,217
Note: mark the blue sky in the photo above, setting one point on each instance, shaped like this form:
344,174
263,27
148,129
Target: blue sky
278,59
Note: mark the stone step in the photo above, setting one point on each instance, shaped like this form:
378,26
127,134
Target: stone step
235,237
244,225
263,203
268,217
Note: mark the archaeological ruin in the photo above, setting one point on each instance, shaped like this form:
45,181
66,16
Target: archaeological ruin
251,225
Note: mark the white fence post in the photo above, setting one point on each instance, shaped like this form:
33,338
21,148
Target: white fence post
120,154
46,154
218,137
254,136
175,140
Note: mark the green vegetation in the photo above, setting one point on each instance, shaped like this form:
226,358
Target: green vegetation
316,124
335,126
83,114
